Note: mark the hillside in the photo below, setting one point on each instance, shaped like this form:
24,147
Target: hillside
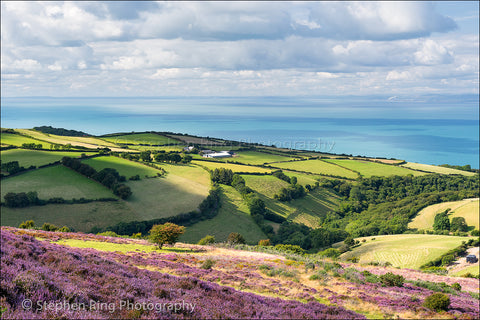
246,284
467,208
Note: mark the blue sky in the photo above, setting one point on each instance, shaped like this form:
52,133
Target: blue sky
397,49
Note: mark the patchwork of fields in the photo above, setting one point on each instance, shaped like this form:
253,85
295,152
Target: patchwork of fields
141,138
234,167
369,169
27,158
318,167
436,169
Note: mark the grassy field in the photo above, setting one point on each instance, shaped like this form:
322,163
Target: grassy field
18,140
472,269
467,208
256,158
181,190
234,167
436,169
369,169
404,250
82,217
303,178
124,167
177,148
317,167
307,210
88,142
141,138
233,216
56,181
27,158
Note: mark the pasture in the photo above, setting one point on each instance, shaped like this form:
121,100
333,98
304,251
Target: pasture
56,181
403,250
256,157
307,210
176,148
141,138
233,216
27,158
369,169
436,169
125,167
318,167
234,167
18,140
87,142
467,208
82,217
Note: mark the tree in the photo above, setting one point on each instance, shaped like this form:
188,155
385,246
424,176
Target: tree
146,156
235,238
441,221
167,233
29,224
458,224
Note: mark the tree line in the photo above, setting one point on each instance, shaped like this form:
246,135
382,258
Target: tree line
109,177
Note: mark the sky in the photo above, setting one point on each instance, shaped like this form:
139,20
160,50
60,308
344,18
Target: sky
105,49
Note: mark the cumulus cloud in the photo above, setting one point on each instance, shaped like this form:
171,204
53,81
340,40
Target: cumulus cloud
231,47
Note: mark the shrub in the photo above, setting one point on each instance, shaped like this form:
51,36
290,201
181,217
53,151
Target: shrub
437,302
390,279
264,243
446,260
235,238
290,248
207,264
330,252
457,286
64,229
49,227
29,224
206,240
475,233
108,234
353,259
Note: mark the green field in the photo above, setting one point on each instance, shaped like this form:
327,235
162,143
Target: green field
82,217
317,167
404,250
141,138
307,210
471,269
18,140
177,148
125,167
234,167
233,216
467,208
27,158
256,158
303,178
436,169
369,169
56,181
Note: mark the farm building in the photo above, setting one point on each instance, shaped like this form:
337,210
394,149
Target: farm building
221,154
471,258
206,151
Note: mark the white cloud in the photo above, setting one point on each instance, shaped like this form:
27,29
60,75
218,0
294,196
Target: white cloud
432,53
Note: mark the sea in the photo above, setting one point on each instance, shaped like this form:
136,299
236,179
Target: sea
430,129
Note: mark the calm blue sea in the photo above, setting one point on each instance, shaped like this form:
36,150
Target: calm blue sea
432,130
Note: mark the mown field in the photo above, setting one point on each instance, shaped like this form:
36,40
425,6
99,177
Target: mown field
57,181
234,167
233,216
404,250
27,158
82,217
436,169
141,138
318,167
369,169
307,210
18,140
467,208
176,148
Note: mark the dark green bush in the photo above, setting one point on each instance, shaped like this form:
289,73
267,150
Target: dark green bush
207,240
235,238
207,264
456,286
390,279
437,302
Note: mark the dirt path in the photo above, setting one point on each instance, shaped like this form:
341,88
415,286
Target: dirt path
462,262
